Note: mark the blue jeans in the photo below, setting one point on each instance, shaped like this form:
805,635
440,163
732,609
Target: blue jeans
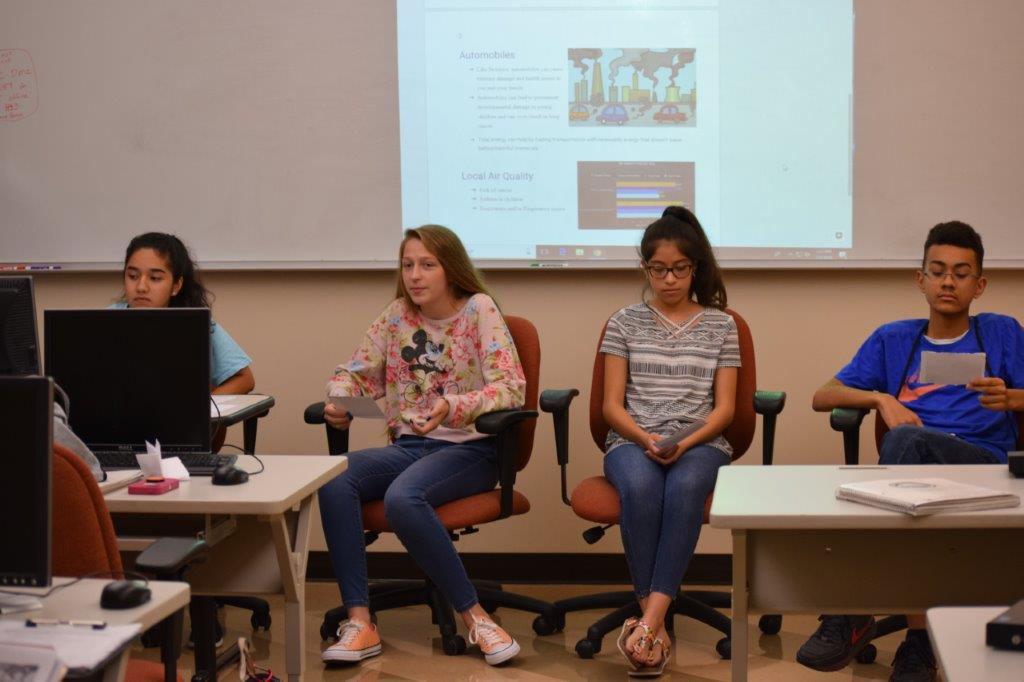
413,475
917,445
662,511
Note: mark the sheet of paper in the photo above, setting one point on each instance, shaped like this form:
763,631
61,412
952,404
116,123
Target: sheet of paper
951,368
76,647
153,464
359,406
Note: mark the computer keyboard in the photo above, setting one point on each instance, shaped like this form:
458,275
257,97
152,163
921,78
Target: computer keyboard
197,463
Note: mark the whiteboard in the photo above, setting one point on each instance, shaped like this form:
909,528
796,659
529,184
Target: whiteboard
266,133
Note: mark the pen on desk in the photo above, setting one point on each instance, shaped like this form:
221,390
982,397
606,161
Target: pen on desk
94,624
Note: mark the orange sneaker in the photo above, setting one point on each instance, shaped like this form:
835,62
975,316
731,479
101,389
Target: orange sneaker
496,644
356,640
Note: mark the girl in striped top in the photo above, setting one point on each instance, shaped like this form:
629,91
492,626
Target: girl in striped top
669,361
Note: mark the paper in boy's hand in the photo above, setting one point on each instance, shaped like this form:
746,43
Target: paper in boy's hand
951,368
358,406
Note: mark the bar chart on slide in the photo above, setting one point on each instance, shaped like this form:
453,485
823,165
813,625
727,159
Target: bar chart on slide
623,195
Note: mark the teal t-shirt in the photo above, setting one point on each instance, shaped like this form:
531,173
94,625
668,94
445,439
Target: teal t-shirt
226,357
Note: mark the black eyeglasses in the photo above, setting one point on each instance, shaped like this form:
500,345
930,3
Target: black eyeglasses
658,271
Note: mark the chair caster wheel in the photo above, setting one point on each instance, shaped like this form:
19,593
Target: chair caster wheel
546,625
770,624
724,648
587,649
260,620
867,654
454,645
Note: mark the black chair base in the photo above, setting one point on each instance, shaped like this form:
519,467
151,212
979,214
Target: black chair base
396,594
697,604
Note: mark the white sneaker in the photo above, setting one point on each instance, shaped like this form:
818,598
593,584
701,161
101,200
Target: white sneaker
356,640
496,644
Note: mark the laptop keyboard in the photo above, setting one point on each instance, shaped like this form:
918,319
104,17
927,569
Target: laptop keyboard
196,463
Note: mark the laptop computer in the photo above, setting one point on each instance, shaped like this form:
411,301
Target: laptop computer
132,376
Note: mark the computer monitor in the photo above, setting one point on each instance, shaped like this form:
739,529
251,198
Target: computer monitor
26,416
133,375
19,344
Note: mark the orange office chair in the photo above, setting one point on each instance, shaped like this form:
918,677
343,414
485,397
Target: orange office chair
514,430
847,421
596,500
84,544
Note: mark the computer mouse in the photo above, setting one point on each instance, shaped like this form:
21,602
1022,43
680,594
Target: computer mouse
124,594
229,475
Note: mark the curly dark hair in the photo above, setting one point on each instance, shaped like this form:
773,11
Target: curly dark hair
955,233
680,226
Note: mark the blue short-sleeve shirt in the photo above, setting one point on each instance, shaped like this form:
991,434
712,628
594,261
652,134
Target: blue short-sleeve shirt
226,357
881,364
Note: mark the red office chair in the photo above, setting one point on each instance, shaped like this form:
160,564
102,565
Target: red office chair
514,430
84,544
596,500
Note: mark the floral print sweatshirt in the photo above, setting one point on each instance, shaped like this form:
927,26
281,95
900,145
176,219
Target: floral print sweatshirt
412,361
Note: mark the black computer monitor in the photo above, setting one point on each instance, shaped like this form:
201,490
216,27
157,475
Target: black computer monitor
26,434
19,344
133,376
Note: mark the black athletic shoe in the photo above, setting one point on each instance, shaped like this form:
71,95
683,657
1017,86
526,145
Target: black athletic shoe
914,661
836,641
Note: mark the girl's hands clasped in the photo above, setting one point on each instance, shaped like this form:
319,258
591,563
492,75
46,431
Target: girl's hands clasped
666,456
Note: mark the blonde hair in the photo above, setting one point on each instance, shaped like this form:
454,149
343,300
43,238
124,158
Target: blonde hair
463,278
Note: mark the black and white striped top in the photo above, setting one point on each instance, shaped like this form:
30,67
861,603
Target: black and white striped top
671,371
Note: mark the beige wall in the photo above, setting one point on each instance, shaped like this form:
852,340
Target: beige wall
298,325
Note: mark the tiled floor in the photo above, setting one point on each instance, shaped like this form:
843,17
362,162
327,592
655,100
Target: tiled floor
412,649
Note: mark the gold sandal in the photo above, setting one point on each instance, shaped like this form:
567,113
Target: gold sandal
654,670
628,627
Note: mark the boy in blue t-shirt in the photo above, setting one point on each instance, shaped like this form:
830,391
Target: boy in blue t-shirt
929,423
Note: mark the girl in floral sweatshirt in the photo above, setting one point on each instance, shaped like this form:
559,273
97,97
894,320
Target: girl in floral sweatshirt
440,355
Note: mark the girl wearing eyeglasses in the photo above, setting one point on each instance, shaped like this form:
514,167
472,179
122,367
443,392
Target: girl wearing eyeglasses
670,361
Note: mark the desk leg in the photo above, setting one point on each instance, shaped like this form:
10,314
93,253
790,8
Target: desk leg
739,606
249,435
116,670
291,559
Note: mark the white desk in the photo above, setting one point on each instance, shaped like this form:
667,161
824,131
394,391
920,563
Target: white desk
81,601
258,532
958,637
798,549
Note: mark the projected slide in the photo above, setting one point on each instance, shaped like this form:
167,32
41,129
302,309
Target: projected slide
542,132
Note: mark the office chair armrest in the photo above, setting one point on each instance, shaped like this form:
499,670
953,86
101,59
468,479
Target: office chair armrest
314,414
167,558
768,404
504,425
847,421
557,399
557,402
337,440
493,423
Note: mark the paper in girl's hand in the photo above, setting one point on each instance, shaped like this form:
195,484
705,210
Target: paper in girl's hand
358,406
951,368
